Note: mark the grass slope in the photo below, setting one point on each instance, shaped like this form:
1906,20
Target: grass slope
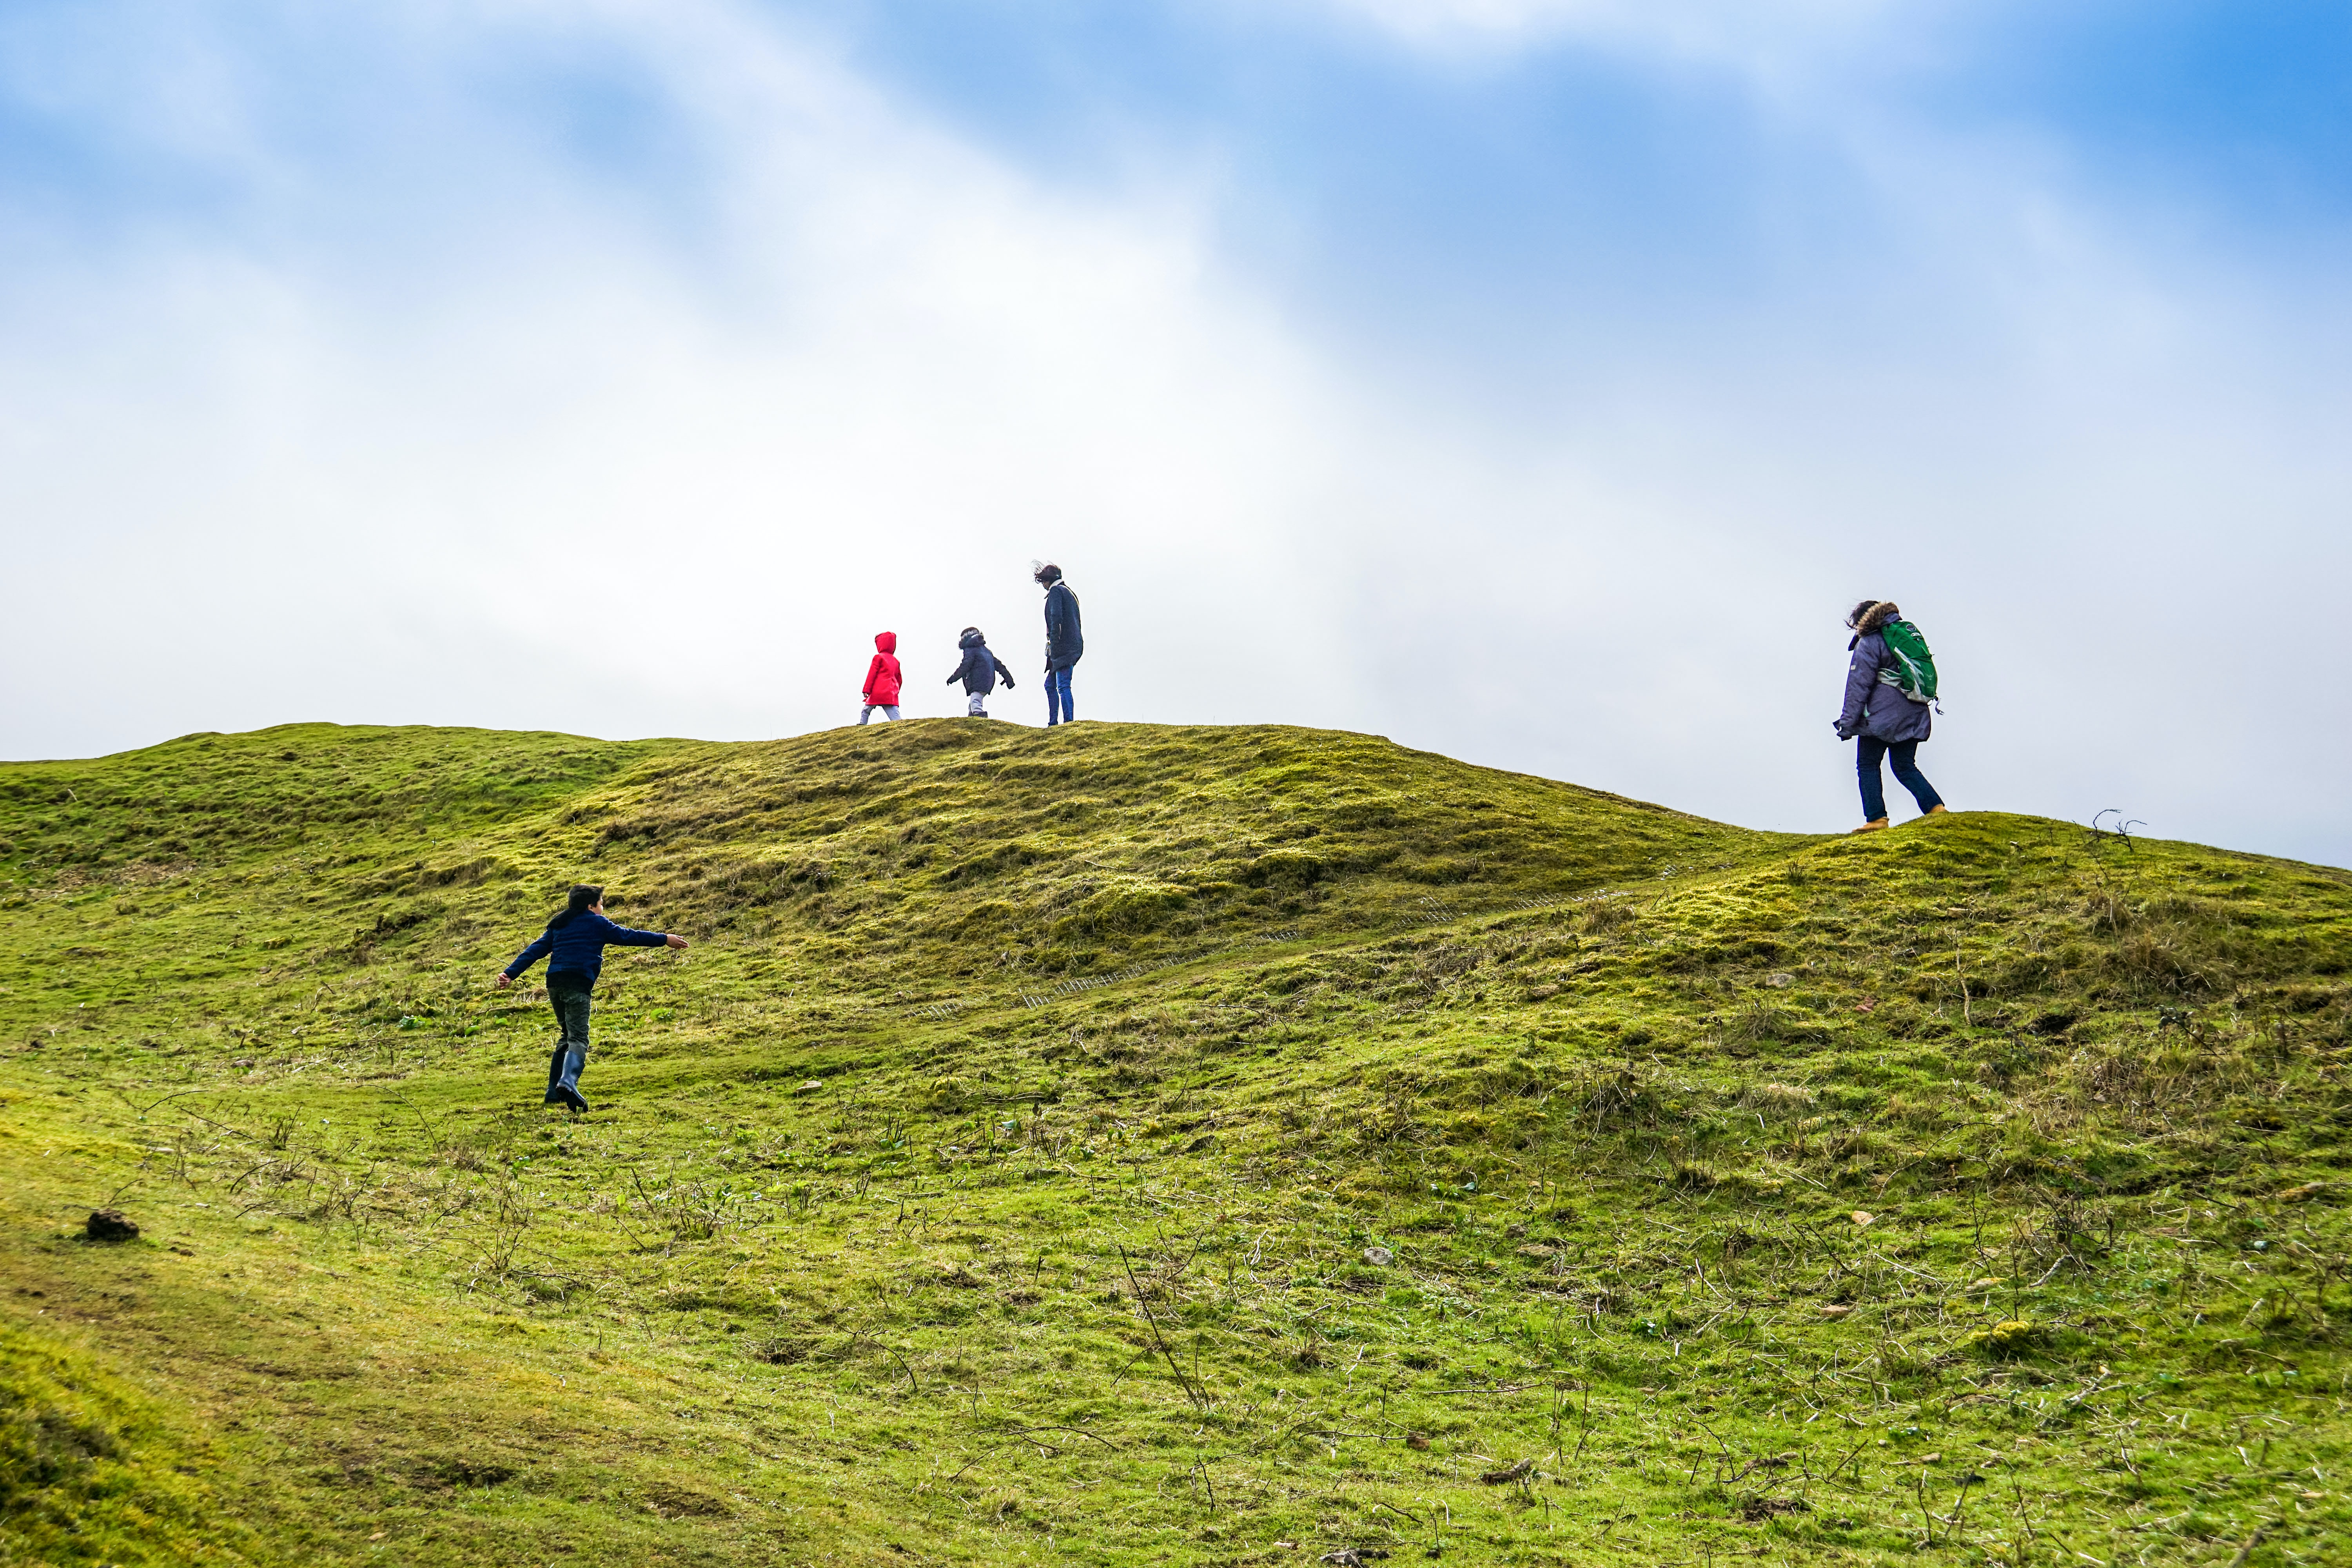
1123,1144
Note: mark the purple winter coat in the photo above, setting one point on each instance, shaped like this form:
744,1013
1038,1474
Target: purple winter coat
1878,708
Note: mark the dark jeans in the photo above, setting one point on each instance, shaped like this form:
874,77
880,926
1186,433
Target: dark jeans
1057,697
1899,757
568,995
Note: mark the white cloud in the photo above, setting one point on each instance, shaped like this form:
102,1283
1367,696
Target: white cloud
891,371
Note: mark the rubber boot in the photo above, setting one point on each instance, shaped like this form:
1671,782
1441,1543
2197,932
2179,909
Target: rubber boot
1877,825
554,1077
567,1088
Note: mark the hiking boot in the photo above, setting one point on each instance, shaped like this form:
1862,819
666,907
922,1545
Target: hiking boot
1938,809
1878,825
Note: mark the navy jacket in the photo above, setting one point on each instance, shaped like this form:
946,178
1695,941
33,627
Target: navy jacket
578,946
1876,705
1062,644
980,669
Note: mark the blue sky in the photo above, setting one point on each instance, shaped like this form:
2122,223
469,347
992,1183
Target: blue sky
1534,380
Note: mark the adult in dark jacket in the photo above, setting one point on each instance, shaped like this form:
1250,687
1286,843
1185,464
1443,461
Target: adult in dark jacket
1883,724
979,672
574,945
1064,645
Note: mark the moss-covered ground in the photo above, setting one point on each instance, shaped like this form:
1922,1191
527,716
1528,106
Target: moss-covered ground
1127,1144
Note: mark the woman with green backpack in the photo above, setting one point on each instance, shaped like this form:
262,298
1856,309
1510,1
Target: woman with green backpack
1889,686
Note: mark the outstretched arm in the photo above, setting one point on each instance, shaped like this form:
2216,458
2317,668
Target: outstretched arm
527,957
615,935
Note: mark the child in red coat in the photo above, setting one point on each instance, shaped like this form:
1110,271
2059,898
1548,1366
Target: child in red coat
882,678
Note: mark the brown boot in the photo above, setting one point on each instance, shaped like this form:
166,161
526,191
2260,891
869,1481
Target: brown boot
1937,810
1878,825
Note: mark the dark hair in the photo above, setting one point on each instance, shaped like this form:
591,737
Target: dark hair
1048,574
1872,614
576,903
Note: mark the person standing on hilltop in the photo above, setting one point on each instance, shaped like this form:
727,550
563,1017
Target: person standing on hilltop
1064,645
979,672
574,945
882,678
1890,682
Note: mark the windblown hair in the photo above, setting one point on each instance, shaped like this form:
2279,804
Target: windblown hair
579,901
1873,614
1048,574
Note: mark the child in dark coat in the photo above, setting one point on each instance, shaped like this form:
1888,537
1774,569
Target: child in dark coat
980,671
574,945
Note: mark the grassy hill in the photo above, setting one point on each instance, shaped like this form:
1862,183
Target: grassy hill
1131,1145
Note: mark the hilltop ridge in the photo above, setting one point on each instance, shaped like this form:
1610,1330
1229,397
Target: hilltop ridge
1135,1141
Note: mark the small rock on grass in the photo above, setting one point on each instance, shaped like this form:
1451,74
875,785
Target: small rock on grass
1379,1257
110,1225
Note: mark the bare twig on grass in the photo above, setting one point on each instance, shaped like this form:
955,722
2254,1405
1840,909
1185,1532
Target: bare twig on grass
1143,1306
912,1387
1074,1431
145,1109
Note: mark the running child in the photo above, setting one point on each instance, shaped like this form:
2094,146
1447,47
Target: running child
574,945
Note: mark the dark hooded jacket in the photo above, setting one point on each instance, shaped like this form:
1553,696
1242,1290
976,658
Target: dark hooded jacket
574,946
882,675
1064,646
1874,705
981,669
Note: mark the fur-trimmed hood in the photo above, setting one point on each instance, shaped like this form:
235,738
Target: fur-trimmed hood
1872,614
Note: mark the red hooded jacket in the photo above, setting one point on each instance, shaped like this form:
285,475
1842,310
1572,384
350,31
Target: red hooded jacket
882,675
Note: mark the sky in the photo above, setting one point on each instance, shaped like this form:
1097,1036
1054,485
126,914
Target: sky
1534,381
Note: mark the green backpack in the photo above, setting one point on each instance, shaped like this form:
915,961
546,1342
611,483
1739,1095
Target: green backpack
1912,669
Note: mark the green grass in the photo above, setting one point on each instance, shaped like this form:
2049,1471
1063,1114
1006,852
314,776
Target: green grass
1128,1144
